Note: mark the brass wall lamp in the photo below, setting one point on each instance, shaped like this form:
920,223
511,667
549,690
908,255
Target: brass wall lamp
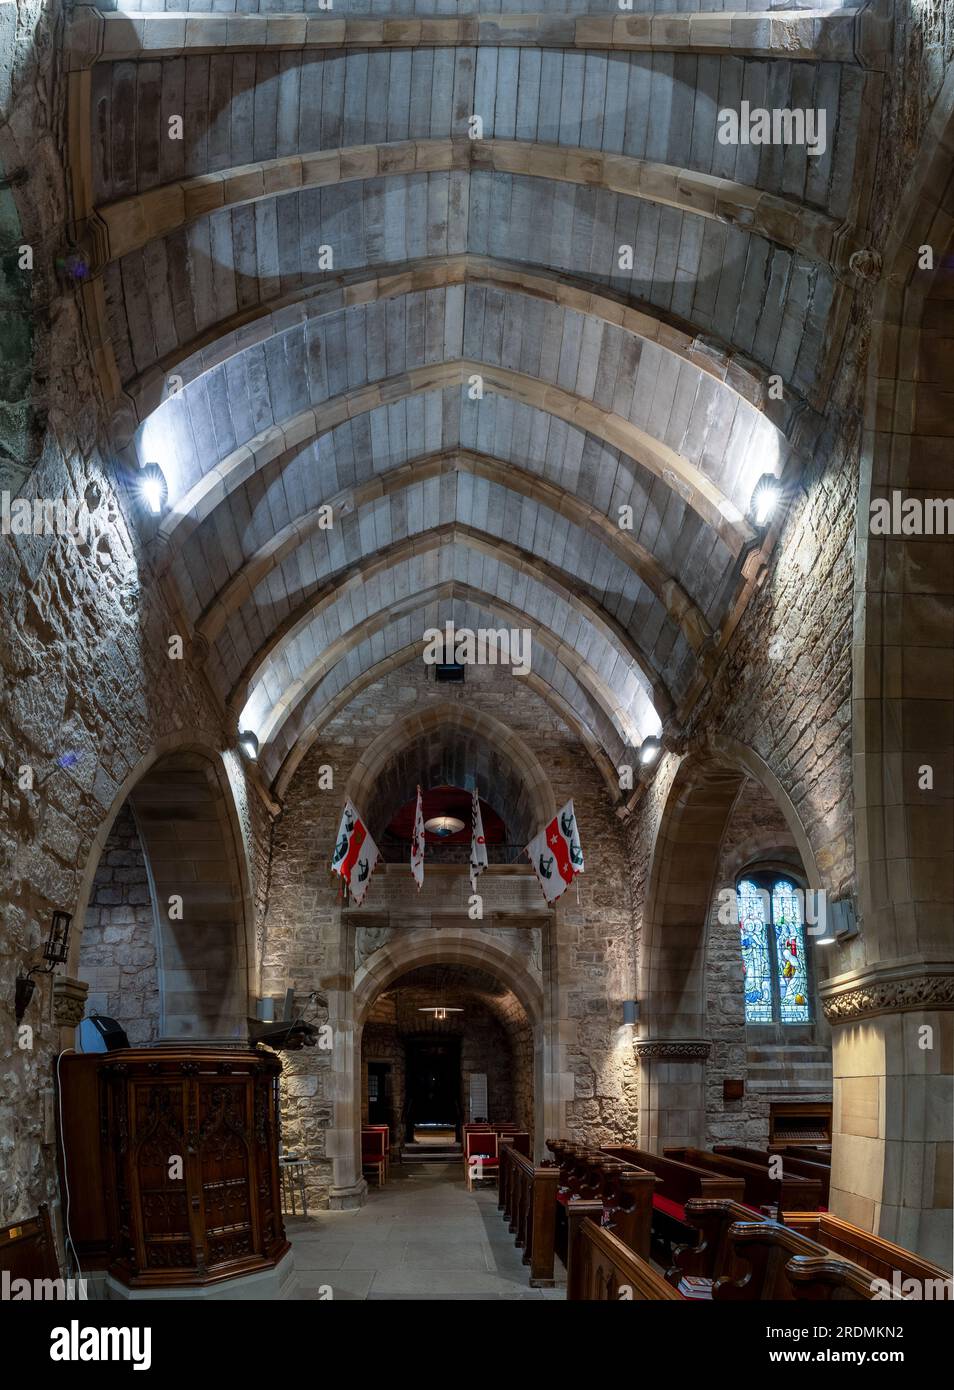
55,953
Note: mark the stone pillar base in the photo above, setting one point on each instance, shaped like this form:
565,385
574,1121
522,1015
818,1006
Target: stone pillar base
347,1198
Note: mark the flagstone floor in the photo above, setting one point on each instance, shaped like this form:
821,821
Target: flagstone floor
423,1236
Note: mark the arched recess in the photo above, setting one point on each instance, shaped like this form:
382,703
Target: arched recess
531,795
673,1046
409,949
890,999
313,725
182,796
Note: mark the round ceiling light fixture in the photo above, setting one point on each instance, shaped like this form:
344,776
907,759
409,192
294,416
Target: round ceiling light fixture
444,825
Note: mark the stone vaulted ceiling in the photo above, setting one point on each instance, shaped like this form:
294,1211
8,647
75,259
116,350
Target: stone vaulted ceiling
291,303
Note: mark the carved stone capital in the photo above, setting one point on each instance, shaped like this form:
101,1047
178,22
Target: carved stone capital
888,990
69,1001
673,1049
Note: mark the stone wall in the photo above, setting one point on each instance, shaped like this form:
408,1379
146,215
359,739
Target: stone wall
591,961
118,950
87,687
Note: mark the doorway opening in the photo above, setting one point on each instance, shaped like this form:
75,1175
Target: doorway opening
433,1095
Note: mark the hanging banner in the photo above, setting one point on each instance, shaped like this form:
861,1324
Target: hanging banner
478,844
355,853
417,843
556,854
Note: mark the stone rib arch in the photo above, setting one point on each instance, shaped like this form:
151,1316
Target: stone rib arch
294,695
226,338
240,588
130,223
381,561
313,727
275,443
454,716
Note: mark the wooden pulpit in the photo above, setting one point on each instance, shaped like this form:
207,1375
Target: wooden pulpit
171,1156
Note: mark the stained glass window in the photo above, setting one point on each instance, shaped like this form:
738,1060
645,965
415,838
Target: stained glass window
790,953
773,951
756,961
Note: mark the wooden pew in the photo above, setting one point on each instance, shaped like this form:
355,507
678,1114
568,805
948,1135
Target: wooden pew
603,1269
678,1182
880,1258
779,1265
625,1191
790,1192
699,1263
529,1202
28,1251
796,1164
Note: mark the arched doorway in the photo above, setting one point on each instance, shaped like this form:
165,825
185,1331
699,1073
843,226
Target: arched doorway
507,957
166,931
441,1046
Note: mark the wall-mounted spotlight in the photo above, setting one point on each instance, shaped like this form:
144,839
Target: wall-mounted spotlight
649,750
630,1010
248,744
765,498
153,488
55,952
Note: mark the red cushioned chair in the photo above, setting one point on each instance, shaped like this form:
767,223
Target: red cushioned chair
374,1152
481,1159
386,1131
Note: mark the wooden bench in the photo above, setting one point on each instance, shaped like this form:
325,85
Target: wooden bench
528,1197
603,1269
702,1261
791,1163
624,1191
774,1263
789,1192
678,1182
879,1257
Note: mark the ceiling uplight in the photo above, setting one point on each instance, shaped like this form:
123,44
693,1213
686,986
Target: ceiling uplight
248,744
649,750
152,487
444,825
440,1011
765,499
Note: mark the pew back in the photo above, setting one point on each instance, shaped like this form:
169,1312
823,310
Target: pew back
603,1269
879,1257
792,1192
791,1163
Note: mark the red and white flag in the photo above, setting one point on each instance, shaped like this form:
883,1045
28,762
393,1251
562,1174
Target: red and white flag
478,844
355,853
417,843
556,854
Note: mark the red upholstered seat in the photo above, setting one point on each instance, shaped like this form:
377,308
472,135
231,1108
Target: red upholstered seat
670,1207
